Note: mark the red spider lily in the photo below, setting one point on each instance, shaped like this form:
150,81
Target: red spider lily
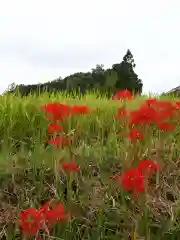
30,221
122,95
166,113
144,115
165,126
135,134
164,104
54,128
151,101
79,109
122,112
54,214
132,180
165,109
60,141
177,104
57,111
148,167
70,166
152,111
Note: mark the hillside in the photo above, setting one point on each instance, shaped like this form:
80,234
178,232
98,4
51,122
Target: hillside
119,76
89,168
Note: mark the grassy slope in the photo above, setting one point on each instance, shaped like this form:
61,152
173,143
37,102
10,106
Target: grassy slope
30,172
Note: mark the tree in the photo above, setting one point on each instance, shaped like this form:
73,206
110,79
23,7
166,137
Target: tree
111,78
128,58
99,69
12,86
127,78
120,76
98,75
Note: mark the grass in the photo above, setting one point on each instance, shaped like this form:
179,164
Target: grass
100,208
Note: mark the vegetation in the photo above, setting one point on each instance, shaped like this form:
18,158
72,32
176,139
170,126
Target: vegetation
79,155
120,76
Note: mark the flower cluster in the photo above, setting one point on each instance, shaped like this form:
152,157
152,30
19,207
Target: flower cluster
69,167
122,95
58,112
134,179
33,220
158,113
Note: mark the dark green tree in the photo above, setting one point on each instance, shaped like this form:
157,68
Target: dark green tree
127,78
98,75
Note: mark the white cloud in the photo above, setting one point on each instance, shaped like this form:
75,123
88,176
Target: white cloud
41,40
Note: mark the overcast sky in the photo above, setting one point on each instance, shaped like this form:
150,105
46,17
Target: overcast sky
41,40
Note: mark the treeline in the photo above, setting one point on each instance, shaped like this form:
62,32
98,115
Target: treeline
120,76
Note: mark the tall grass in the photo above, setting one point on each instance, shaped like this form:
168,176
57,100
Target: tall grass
30,171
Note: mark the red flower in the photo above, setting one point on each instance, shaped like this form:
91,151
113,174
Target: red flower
152,111
56,111
132,180
30,221
164,109
148,167
135,134
60,141
165,126
164,104
143,115
177,105
70,166
54,128
122,95
79,109
151,101
53,215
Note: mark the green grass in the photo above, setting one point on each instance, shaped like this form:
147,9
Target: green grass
30,172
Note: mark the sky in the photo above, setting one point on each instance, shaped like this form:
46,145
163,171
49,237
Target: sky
41,40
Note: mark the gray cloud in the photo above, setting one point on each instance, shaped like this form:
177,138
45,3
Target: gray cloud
41,40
